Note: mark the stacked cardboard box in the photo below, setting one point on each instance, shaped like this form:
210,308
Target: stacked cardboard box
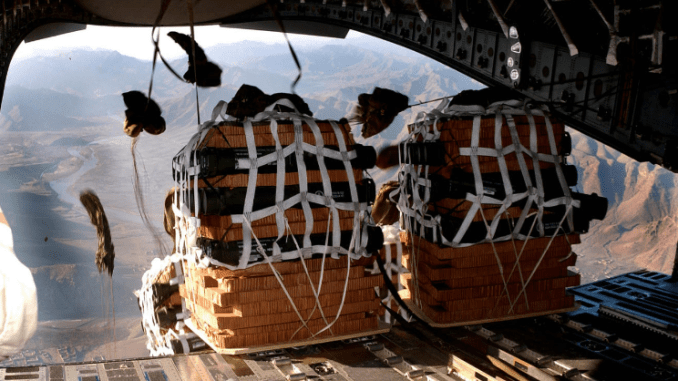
231,136
488,281
456,133
163,279
482,282
249,308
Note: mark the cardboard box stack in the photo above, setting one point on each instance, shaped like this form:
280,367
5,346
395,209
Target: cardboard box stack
487,281
228,138
251,307
463,285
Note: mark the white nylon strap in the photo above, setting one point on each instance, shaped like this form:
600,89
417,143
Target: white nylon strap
519,149
506,180
249,195
478,181
534,148
387,266
303,182
270,112
219,110
196,205
290,149
293,200
501,161
327,183
351,181
280,218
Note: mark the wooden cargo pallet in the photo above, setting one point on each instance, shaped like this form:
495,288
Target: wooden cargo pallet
166,275
223,330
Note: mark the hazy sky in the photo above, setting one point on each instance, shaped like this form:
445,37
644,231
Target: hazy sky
136,42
